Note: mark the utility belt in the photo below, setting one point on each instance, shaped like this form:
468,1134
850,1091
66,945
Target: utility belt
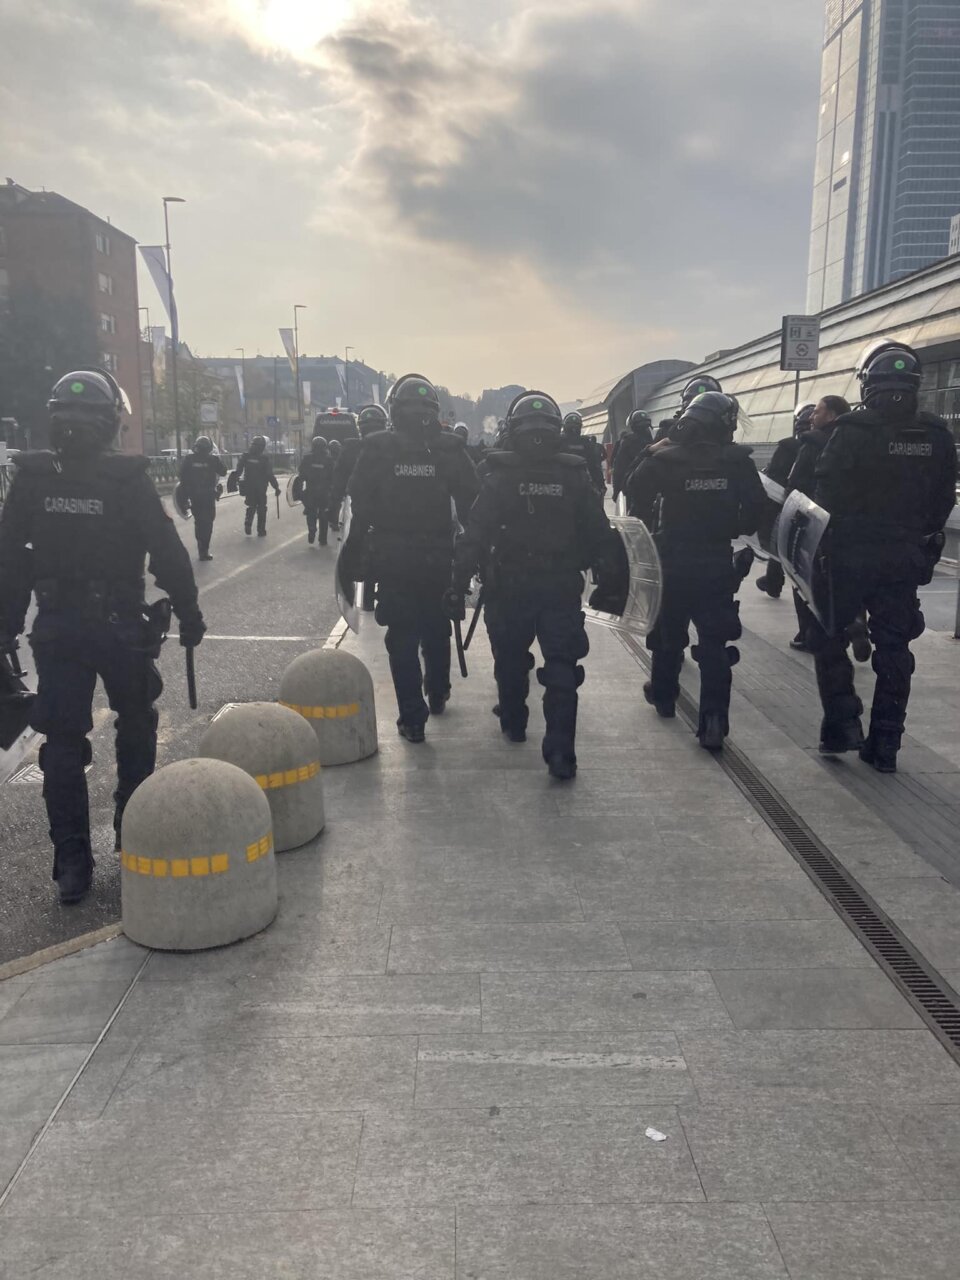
140,626
412,550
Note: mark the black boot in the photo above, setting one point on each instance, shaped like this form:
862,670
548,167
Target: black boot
73,869
880,750
437,702
562,766
712,731
667,710
841,730
412,732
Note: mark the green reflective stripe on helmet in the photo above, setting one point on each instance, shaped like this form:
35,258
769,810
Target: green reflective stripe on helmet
78,388
899,364
538,404
421,391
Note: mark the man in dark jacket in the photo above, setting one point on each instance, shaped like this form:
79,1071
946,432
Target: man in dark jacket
200,475
778,469
695,387
254,475
401,535
697,494
585,447
887,476
312,488
629,448
76,529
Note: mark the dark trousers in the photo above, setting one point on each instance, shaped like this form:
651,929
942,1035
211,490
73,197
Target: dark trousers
316,517
70,651
697,588
410,608
881,578
256,506
773,576
518,614
204,514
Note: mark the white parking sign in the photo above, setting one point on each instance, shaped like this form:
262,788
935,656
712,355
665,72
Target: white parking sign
800,342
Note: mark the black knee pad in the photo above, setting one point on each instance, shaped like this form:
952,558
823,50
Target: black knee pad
83,745
733,654
560,675
898,661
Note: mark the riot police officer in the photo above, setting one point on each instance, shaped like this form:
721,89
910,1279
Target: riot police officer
697,493
200,474
371,419
312,487
778,469
695,387
401,534
535,527
637,437
585,447
255,474
76,528
887,476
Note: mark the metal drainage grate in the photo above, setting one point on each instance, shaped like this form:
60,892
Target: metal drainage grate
930,995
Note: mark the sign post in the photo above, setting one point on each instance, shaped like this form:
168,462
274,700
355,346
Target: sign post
800,346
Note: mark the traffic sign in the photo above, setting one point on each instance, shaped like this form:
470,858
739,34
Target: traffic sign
209,413
273,422
800,342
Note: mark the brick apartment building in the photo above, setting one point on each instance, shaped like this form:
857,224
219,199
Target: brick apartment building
68,298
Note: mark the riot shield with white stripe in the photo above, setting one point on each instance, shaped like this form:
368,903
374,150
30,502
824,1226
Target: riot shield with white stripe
349,593
763,543
802,550
643,580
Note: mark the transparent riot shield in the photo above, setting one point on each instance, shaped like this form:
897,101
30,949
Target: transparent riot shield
763,543
181,503
645,588
802,550
294,491
349,593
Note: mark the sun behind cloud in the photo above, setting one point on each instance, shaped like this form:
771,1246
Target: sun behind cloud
293,25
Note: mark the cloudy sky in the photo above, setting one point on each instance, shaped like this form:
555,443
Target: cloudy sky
487,191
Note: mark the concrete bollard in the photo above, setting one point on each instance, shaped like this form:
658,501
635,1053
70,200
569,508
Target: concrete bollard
197,867
334,692
279,751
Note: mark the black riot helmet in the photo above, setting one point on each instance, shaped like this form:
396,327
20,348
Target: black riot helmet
414,406
572,426
710,416
319,446
85,409
257,446
203,445
335,447
698,387
889,376
640,422
802,418
533,423
371,418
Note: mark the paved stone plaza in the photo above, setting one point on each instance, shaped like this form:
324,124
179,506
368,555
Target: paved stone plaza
486,996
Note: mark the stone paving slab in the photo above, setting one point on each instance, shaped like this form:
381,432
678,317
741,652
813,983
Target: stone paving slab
482,990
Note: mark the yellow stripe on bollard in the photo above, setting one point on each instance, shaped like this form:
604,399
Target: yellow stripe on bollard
179,868
287,777
342,712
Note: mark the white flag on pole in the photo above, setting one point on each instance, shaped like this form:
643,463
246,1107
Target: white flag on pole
155,259
238,370
158,337
286,337
306,394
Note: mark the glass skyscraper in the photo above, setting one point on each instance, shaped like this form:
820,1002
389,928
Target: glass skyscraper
887,172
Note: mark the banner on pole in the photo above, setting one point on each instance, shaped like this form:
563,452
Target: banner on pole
306,394
286,337
156,262
158,340
238,370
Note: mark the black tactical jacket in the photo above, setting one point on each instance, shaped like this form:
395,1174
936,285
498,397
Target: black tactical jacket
533,518
79,520
881,479
200,474
697,495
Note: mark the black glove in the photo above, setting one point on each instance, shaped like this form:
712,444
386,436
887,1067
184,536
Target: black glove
453,605
606,600
743,562
192,630
932,549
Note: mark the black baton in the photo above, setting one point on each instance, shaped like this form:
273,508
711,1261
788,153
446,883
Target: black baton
458,635
277,496
191,679
474,620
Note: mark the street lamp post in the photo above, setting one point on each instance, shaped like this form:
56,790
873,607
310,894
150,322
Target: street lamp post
174,322
346,373
243,387
300,306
